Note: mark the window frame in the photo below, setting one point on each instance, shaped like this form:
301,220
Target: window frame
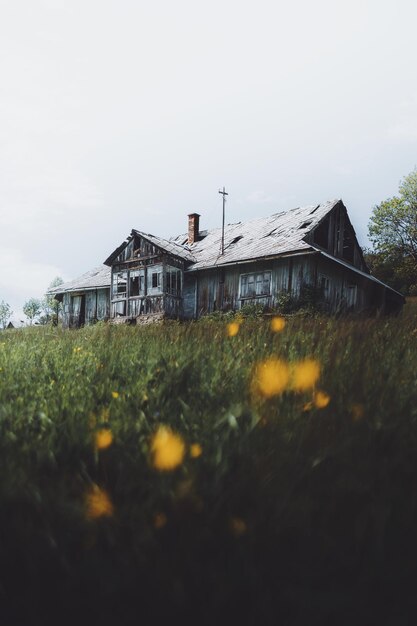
116,283
255,282
173,282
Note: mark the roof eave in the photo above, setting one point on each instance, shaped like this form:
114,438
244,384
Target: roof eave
270,257
360,272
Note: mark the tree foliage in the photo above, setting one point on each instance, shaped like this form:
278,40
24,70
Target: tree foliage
5,313
393,232
51,308
32,309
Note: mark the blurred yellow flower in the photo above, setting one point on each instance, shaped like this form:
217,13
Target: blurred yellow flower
98,503
167,449
321,399
277,324
115,394
195,450
233,329
159,520
75,350
104,438
271,377
305,374
237,526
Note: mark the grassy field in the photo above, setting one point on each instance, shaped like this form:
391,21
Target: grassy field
210,472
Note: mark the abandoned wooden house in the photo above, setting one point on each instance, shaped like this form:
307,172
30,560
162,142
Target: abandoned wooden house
310,250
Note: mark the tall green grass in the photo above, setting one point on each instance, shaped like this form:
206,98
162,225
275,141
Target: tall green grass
291,514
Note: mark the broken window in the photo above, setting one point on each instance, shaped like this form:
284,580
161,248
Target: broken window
136,283
321,234
256,284
119,284
348,244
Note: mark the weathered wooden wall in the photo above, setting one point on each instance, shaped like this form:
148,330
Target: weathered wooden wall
145,257
220,289
85,307
336,235
334,287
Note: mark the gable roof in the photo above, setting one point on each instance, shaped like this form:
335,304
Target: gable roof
168,245
281,233
97,278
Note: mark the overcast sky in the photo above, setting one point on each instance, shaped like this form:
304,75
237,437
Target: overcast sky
121,114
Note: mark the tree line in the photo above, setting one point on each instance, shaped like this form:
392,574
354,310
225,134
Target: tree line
44,310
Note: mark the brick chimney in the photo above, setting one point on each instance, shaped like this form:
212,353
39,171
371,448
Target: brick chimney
193,227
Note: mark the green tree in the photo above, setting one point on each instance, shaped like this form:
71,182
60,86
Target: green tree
32,309
5,313
393,232
51,308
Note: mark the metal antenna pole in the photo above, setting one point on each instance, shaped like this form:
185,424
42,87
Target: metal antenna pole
224,194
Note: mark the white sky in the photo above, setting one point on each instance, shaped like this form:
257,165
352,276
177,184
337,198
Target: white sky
121,114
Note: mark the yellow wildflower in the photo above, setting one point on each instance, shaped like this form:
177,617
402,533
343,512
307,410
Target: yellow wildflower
195,450
321,399
233,329
115,394
277,324
271,377
104,438
98,503
305,374
167,449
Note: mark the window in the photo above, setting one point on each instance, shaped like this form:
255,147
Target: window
154,279
119,284
136,283
173,282
256,284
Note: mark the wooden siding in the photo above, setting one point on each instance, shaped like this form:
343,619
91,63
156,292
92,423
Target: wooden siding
336,235
140,254
189,295
220,289
85,307
335,288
